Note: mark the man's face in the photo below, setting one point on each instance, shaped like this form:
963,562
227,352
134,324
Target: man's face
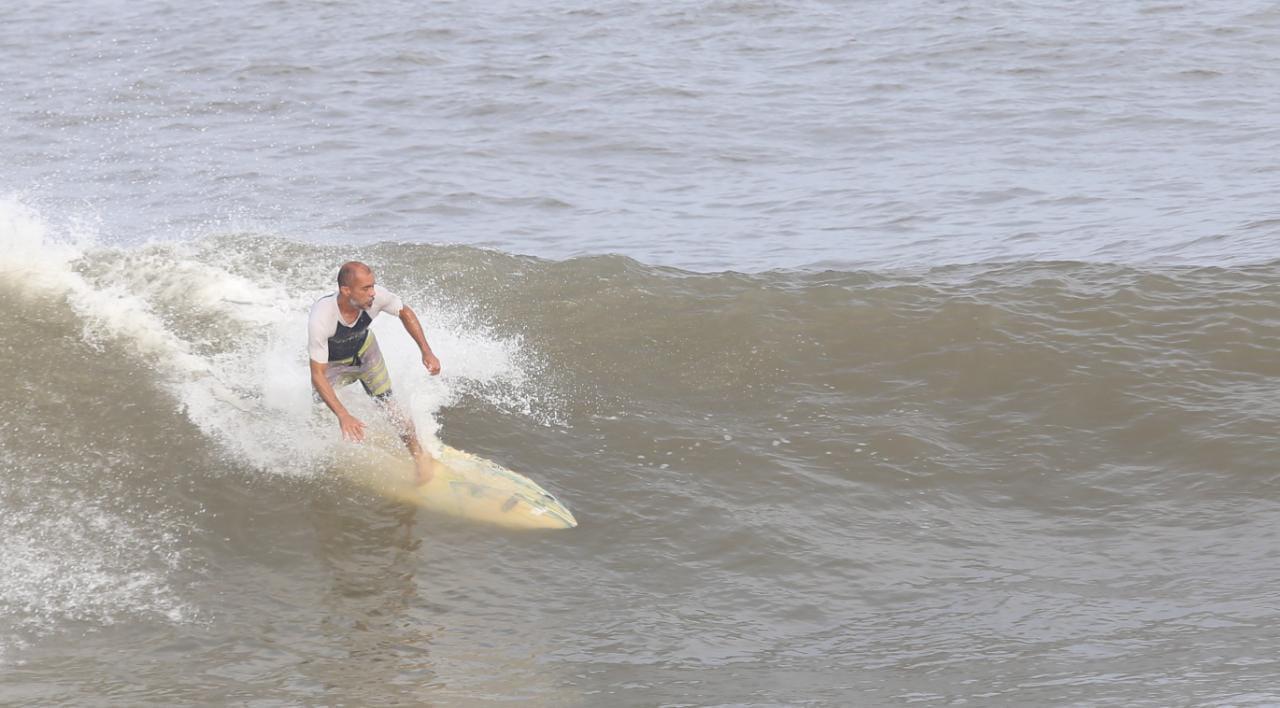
360,291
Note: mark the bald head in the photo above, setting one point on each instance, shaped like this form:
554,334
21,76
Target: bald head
349,270
356,286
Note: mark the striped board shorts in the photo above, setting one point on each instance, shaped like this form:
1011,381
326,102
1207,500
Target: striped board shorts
366,366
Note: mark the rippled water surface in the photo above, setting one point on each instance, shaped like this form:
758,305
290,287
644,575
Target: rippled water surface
709,135
887,353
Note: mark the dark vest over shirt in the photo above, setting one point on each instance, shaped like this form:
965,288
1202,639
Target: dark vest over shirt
347,340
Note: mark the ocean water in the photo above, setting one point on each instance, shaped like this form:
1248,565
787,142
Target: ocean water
899,354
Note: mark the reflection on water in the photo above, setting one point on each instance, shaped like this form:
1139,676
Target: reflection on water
371,619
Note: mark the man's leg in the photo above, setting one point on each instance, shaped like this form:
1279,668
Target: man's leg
377,383
422,459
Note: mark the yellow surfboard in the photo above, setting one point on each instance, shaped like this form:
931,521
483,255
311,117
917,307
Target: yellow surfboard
464,485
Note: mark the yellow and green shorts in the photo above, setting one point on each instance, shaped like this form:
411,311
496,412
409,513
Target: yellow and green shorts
366,366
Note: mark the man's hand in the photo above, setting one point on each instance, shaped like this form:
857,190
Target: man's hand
414,328
432,363
352,428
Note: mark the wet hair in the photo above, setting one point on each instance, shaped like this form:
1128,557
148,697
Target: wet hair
349,269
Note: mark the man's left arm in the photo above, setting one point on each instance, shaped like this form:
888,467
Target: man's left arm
414,328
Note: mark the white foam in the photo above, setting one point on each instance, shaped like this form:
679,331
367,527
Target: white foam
27,252
84,564
78,561
33,257
228,343
250,390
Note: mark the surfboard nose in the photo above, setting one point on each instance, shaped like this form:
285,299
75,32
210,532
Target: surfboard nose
540,511
559,511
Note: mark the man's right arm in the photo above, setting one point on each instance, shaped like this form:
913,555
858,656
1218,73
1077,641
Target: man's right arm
352,427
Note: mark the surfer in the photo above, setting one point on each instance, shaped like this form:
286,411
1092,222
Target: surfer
343,350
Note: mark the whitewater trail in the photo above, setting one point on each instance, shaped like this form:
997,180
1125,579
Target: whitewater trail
230,348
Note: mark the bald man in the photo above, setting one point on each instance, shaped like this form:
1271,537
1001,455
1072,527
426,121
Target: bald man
343,350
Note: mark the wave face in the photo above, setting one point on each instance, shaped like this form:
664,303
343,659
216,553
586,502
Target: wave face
1034,482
